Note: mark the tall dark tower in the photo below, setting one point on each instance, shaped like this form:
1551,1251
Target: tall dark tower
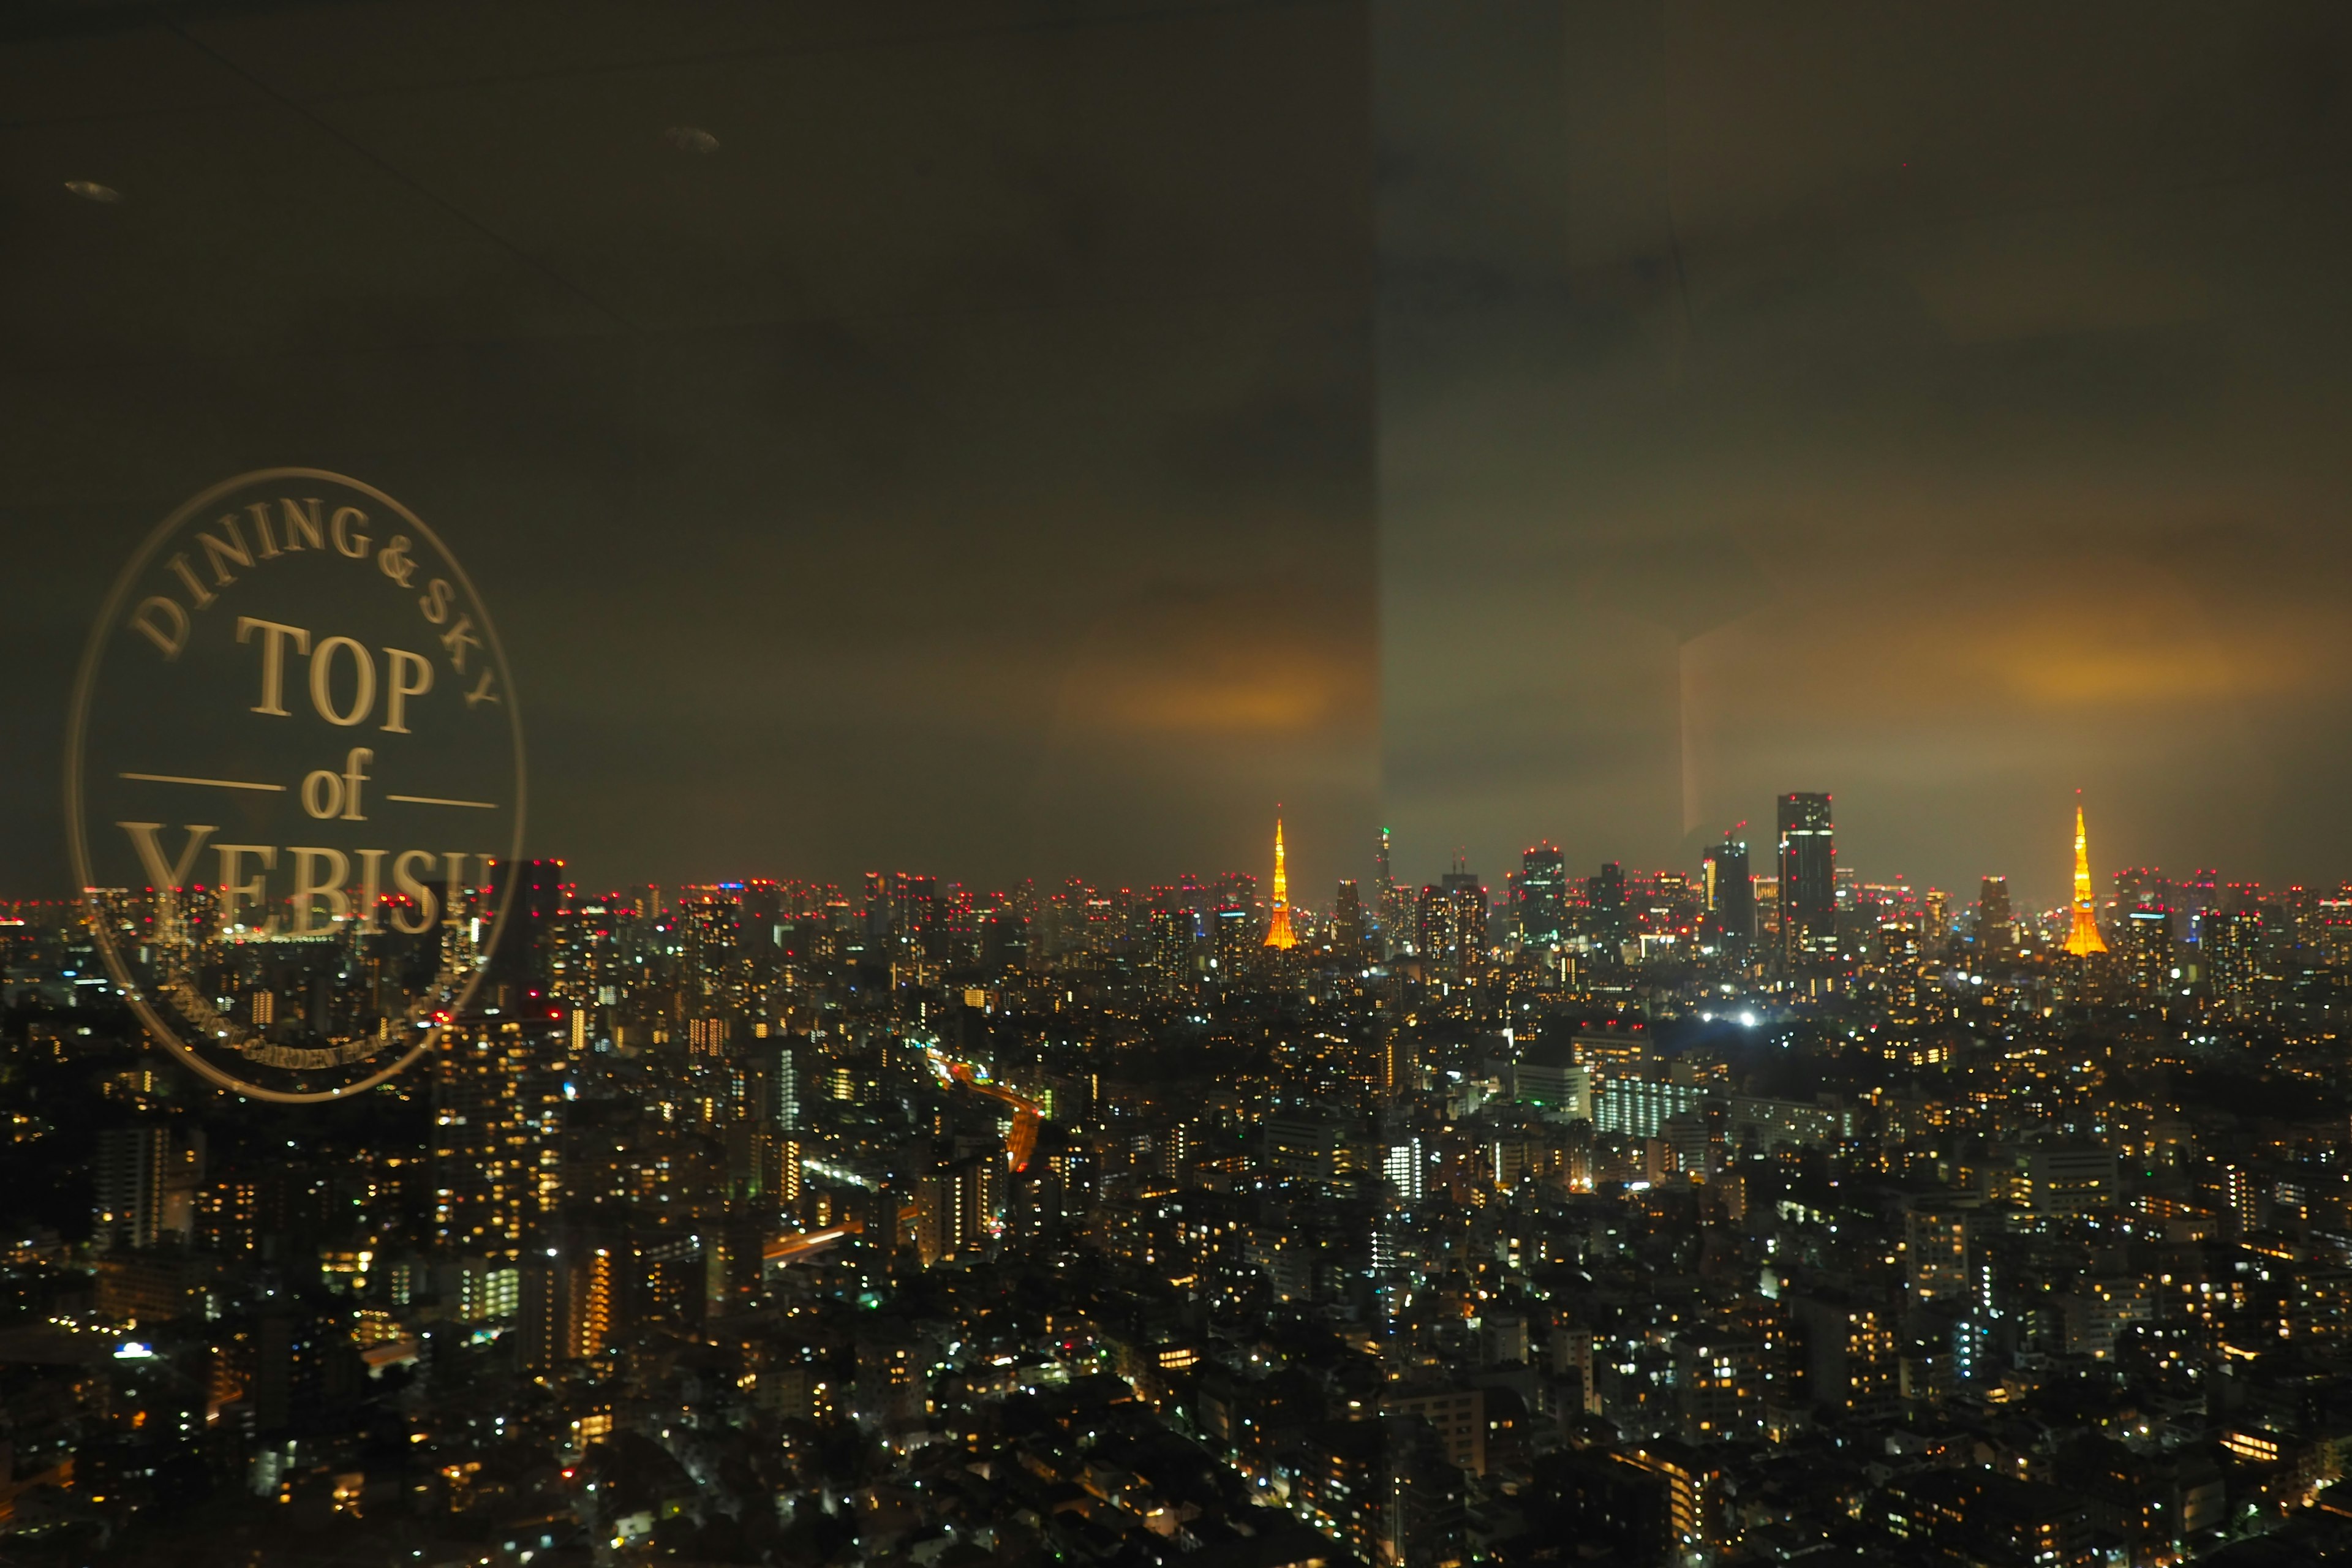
1542,897
1389,902
1730,897
1993,916
1348,924
518,966
1604,904
1808,883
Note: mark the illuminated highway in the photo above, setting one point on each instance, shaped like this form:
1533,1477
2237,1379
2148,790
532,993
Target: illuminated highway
1020,1147
1021,1142
801,1244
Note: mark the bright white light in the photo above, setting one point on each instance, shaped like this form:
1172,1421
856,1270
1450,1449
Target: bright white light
1748,1019
133,1351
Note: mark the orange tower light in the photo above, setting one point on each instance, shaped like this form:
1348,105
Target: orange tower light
2085,939
1278,934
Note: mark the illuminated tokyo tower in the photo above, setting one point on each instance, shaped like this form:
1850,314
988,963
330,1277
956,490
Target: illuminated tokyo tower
2085,939
1278,934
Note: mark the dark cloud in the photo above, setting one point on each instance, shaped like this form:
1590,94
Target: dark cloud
1035,438
1934,404
963,464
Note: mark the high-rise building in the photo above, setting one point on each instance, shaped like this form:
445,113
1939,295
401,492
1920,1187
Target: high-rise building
2069,1179
1640,1107
1993,916
2142,888
1808,883
1278,934
1004,943
1542,897
2335,932
520,963
1168,950
1850,1360
1452,936
2195,900
1937,1243
1344,1488
496,1144
1347,924
1396,906
956,1209
1728,896
1232,929
915,914
1604,904
1400,1070
587,1308
763,920
1400,1163
787,1096
2147,948
1548,1077
2084,939
2233,954
710,920
126,1195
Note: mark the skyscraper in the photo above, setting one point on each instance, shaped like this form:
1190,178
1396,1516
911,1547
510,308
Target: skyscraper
1993,915
1230,931
1394,906
1542,898
1168,950
2234,954
2141,887
1347,924
1808,882
1939,924
127,1210
520,965
1278,934
2147,948
2084,939
1729,896
2193,901
1604,904
1454,927
498,1112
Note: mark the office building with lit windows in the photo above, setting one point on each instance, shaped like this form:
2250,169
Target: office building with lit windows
1808,882
1727,896
1540,898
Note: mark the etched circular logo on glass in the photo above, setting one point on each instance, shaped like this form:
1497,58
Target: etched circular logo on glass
293,779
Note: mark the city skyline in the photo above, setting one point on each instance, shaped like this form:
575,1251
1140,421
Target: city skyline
1378,1229
1378,860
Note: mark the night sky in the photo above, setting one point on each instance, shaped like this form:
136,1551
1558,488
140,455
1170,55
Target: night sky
1035,440
1942,405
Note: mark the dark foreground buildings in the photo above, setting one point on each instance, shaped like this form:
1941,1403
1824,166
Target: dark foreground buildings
1635,1219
